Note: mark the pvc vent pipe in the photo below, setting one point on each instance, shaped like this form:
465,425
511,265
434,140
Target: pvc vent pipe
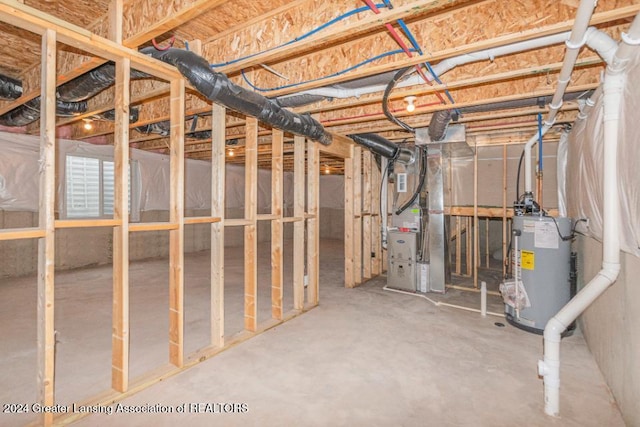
614,81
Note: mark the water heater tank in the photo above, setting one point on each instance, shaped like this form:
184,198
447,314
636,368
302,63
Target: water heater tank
544,269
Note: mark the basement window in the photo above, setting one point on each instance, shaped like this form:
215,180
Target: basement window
89,187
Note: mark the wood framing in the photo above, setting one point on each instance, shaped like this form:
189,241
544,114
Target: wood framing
277,200
46,244
313,222
298,226
217,229
349,240
120,316
250,230
176,216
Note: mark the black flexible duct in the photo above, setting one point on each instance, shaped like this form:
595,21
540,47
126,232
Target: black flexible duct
216,87
383,147
29,112
92,83
439,124
10,88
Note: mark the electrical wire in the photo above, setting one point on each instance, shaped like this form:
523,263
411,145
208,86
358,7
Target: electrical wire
301,37
423,174
346,70
385,99
518,177
163,48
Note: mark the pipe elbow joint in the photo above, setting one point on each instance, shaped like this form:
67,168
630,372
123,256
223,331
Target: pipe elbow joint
610,271
553,330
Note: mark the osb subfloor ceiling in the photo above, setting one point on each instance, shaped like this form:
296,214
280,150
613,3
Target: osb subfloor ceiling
281,48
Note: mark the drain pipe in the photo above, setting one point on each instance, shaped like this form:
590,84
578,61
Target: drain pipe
581,34
613,86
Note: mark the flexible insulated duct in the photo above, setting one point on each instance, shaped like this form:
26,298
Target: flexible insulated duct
216,87
92,83
10,88
382,146
29,112
439,124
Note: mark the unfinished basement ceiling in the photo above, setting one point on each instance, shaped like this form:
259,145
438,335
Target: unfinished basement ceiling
288,47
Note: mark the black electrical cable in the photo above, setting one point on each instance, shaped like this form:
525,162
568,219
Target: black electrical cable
382,183
518,176
385,99
423,174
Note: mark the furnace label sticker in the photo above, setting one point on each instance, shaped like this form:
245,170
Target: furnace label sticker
528,226
527,260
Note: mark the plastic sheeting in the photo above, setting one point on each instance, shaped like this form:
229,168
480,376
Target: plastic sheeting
585,167
490,167
19,181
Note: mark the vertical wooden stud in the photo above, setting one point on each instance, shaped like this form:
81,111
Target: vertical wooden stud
176,216
218,142
277,191
120,315
250,234
348,222
458,246
376,267
366,218
476,228
298,225
504,208
115,20
46,211
313,223
486,242
357,214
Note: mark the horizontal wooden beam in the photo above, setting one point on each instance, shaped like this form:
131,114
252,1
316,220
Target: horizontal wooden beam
31,19
21,233
152,226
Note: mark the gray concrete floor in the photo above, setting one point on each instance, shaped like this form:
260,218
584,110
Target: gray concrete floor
365,356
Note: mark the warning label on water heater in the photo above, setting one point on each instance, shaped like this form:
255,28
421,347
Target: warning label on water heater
527,260
546,235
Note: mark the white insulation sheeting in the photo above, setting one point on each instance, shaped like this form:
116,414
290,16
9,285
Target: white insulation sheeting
584,166
19,177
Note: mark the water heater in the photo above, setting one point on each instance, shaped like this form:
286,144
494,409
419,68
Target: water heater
541,271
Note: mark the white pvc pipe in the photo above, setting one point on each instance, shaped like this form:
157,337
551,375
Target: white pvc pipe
604,45
445,66
549,368
442,304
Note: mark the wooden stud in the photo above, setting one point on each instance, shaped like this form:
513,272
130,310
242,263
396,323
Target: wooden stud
250,234
357,214
176,217
504,209
298,227
486,242
217,229
468,248
313,222
120,316
458,246
115,21
277,191
46,245
349,273
476,228
366,219
376,266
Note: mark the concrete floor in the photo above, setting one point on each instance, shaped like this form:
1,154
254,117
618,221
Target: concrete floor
365,356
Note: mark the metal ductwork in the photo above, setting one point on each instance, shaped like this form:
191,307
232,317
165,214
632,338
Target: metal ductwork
216,87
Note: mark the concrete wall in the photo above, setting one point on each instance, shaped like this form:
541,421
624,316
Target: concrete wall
611,327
